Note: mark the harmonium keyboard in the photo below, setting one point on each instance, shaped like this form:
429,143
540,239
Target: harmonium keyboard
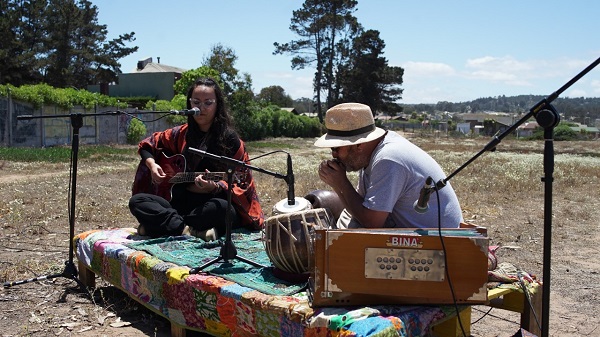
399,266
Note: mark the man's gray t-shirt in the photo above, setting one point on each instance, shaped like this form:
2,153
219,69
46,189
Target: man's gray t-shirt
395,175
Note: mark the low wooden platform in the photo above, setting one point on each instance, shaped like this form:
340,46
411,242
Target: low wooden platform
210,304
501,298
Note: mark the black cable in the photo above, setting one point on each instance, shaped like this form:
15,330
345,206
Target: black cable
269,153
494,316
462,329
528,298
141,120
69,189
484,315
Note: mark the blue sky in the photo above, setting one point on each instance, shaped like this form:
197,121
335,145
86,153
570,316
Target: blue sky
451,50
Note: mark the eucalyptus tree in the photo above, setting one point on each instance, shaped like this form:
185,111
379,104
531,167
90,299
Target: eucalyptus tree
323,26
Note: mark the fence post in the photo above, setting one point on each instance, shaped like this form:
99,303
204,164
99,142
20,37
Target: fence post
9,118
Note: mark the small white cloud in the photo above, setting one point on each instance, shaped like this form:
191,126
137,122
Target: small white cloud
506,63
499,76
430,95
427,69
505,69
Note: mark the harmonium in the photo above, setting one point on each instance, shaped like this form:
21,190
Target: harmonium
399,266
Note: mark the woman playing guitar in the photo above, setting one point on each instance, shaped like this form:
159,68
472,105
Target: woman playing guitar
175,188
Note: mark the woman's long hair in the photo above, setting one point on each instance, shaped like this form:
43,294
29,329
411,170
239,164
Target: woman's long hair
221,127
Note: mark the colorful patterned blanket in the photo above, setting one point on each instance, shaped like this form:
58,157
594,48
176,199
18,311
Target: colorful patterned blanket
214,304
193,252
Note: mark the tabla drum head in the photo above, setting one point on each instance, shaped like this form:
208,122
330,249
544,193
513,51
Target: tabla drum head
283,207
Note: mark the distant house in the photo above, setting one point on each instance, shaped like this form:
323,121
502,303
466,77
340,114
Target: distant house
292,110
527,129
478,118
465,128
388,122
502,121
151,79
310,114
477,129
295,112
593,131
385,118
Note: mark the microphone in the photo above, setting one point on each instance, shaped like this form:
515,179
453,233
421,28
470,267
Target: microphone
289,178
422,204
191,112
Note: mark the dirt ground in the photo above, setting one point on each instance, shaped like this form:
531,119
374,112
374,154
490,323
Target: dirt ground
34,241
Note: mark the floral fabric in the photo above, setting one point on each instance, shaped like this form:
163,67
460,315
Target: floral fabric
223,308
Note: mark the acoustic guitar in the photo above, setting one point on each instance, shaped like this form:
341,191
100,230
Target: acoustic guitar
174,168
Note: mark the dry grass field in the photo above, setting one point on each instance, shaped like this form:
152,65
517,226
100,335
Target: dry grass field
500,190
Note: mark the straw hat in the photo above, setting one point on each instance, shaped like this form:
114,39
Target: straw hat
349,124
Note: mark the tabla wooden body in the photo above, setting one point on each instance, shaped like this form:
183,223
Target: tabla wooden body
289,237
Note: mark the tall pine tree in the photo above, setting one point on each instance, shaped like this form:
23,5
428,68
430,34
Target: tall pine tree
366,77
348,61
59,42
321,25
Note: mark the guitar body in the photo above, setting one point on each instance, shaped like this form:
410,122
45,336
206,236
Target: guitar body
171,165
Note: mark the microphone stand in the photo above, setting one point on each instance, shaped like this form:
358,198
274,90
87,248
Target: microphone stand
228,250
547,117
70,271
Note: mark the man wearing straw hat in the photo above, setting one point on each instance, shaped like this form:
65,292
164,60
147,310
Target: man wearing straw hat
391,174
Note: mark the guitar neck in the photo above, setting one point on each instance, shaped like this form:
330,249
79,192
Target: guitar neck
188,177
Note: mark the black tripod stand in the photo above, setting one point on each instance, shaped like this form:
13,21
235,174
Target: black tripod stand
70,271
228,251
547,117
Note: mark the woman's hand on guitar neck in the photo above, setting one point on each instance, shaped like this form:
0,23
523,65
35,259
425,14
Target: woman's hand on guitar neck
202,185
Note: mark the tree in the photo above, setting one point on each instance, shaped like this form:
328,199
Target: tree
61,43
237,87
21,40
303,105
366,77
275,95
189,77
324,26
222,59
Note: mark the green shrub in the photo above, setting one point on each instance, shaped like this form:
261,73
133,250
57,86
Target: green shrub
44,94
136,130
272,122
561,132
177,103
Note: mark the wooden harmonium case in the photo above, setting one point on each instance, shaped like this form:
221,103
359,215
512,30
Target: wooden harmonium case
399,266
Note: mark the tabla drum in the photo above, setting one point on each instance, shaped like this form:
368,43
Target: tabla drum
288,238
283,206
